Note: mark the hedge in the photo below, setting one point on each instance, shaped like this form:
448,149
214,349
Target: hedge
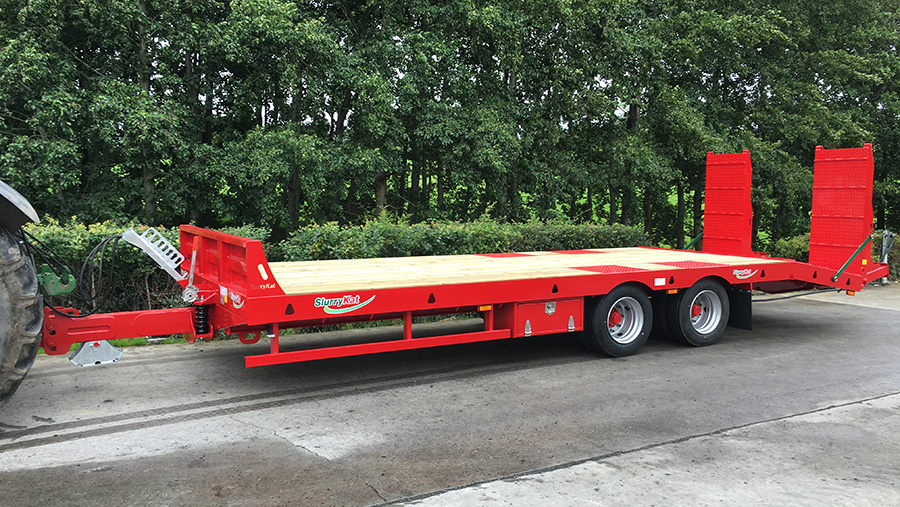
140,284
380,238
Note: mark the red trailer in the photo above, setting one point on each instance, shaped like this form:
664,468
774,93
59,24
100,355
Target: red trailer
612,296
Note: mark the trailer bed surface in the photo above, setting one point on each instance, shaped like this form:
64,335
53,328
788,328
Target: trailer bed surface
316,277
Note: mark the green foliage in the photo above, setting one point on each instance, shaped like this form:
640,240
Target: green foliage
138,282
382,238
796,247
286,114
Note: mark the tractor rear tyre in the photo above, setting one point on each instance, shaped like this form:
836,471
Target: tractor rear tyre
21,315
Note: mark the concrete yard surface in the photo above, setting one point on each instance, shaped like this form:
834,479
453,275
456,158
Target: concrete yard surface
803,410
843,455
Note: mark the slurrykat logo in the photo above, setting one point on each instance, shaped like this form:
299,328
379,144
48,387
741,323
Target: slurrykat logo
743,274
340,305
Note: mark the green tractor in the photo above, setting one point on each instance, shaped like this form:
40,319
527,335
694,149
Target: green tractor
21,304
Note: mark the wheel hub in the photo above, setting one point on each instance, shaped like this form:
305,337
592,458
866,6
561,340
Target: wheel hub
615,318
625,320
706,312
696,310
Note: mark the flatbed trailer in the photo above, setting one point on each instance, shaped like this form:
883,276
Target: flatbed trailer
613,297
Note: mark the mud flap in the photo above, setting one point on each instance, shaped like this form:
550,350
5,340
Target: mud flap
741,304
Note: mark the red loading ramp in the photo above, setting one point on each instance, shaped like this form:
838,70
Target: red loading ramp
842,208
728,215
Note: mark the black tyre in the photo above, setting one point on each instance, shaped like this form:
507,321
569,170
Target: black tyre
619,322
699,314
21,315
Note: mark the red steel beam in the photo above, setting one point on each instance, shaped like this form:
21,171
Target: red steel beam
373,348
61,332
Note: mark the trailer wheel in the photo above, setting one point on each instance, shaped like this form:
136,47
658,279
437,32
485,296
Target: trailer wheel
21,316
699,314
620,322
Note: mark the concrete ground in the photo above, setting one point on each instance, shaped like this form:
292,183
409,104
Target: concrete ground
803,410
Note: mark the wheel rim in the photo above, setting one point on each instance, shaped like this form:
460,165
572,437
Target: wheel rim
625,320
706,312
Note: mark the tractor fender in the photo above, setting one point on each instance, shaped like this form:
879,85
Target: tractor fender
15,210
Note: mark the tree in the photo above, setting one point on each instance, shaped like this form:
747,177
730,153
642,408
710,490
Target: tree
338,111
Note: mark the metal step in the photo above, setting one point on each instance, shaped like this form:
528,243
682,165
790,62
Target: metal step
159,249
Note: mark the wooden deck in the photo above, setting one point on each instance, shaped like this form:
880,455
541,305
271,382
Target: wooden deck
319,277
